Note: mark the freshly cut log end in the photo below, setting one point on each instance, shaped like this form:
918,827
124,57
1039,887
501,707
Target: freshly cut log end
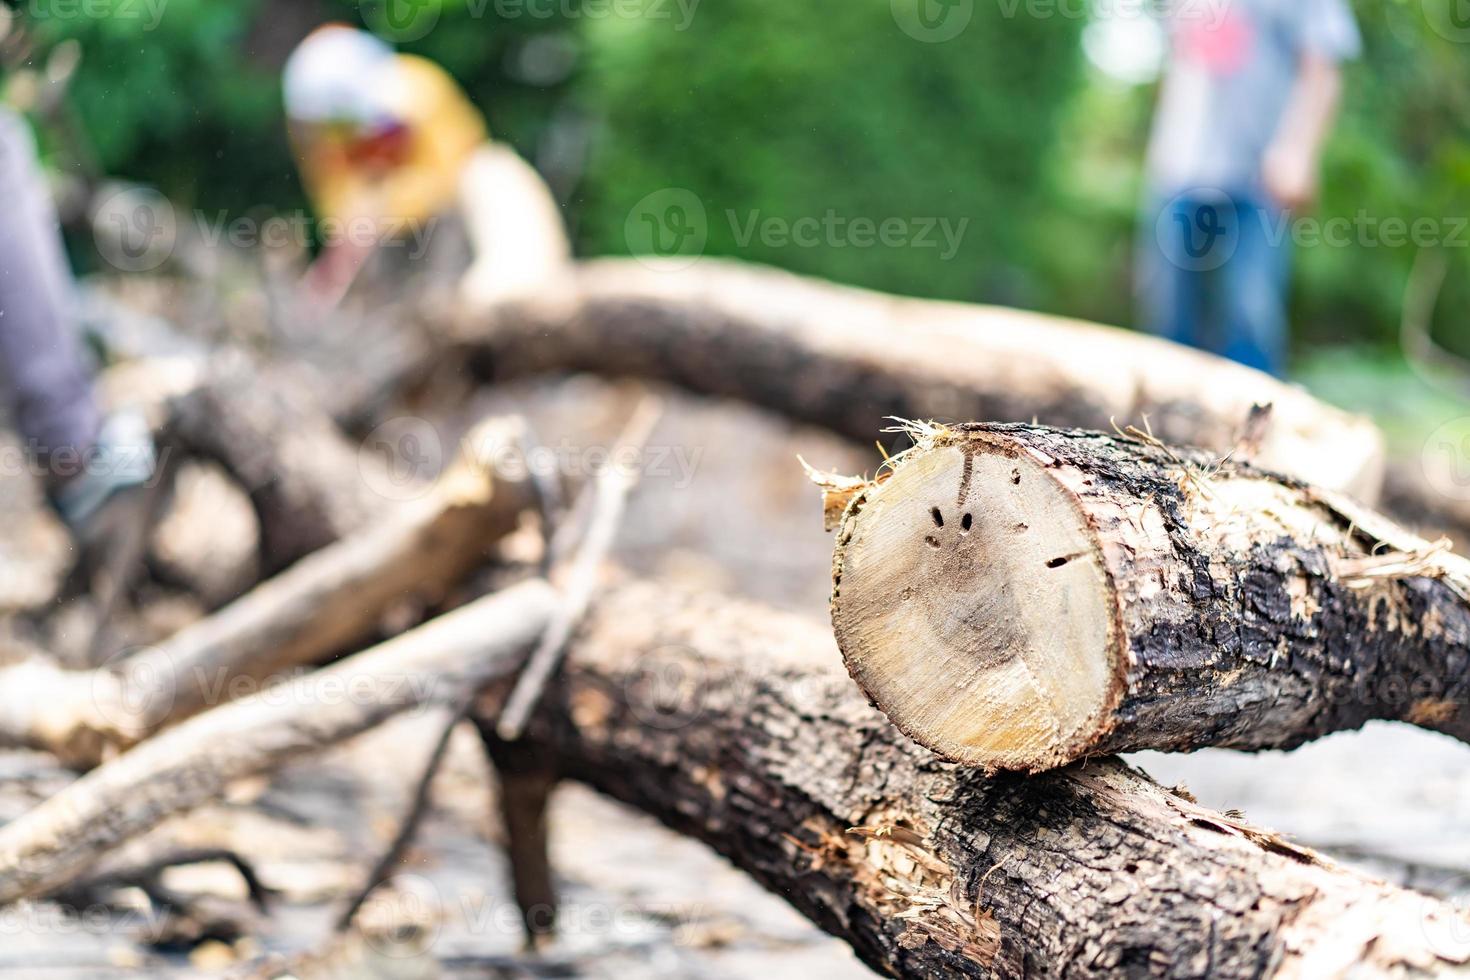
971,604
1018,597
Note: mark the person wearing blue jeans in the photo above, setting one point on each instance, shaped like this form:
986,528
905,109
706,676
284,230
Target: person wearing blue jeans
1246,105
93,467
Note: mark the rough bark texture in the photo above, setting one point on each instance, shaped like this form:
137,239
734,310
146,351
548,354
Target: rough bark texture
318,607
1215,604
284,452
194,763
848,359
735,724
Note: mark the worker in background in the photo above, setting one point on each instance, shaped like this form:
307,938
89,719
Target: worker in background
94,468
390,142
1247,102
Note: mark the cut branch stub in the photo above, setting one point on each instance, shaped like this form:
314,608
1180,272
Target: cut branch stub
1017,597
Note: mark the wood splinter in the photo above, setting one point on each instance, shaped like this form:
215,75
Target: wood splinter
1017,597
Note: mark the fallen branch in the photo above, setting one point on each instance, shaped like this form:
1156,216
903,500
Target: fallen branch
733,724
524,791
1018,597
303,477
848,358
578,580
320,606
193,764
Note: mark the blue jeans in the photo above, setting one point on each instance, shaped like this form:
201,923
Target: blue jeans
42,369
1212,274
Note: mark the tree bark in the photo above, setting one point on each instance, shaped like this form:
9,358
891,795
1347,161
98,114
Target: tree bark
318,607
734,724
1018,597
193,764
848,359
284,452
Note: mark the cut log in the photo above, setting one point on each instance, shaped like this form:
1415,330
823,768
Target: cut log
848,358
320,606
734,724
194,763
1018,597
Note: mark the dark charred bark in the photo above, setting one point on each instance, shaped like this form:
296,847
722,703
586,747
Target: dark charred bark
734,724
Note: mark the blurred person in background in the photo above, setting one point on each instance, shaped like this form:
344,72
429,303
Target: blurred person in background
95,468
1247,102
386,144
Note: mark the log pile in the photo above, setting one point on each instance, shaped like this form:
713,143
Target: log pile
1015,602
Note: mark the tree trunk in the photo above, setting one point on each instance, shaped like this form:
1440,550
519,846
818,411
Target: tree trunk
849,358
733,724
318,607
1018,597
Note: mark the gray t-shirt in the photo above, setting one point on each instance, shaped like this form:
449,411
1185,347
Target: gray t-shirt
1232,68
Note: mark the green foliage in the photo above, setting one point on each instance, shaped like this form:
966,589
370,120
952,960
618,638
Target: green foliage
1401,152
170,99
771,109
189,100
774,109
